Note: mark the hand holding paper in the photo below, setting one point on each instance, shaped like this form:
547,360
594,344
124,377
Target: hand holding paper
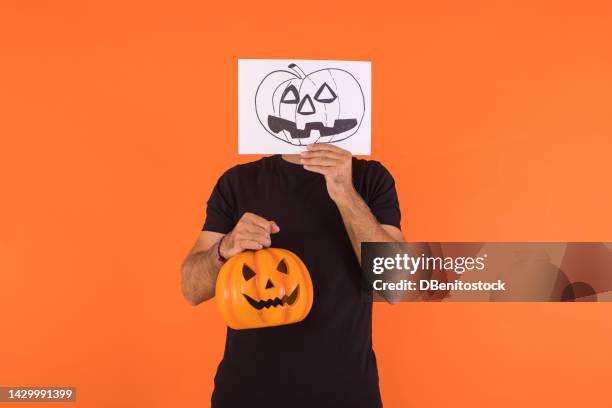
335,164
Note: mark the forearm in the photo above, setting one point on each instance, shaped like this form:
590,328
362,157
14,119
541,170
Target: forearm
360,223
201,267
199,275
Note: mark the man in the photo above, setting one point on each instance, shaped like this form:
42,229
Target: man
321,205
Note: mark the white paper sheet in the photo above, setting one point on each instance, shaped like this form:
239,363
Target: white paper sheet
284,105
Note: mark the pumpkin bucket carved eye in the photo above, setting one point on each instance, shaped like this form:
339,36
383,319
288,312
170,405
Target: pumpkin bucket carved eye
247,272
282,266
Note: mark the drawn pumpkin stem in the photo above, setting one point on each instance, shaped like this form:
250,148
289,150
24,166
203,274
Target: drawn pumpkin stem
298,71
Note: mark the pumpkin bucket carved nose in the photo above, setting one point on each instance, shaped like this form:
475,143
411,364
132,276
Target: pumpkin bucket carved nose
269,284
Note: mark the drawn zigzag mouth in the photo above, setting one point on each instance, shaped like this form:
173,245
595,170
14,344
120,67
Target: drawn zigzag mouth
285,300
277,125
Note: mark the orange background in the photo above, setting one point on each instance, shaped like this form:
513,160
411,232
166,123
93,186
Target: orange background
116,118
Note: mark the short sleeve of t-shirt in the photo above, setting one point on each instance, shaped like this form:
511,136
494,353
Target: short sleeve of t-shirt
382,196
221,206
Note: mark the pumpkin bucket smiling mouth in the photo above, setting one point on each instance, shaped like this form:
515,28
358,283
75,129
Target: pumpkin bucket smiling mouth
285,300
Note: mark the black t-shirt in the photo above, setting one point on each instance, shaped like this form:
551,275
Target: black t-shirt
327,359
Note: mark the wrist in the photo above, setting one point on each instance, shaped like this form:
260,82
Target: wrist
221,256
345,196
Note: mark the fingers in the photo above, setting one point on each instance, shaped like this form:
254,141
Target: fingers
317,147
320,156
268,226
323,157
255,234
249,244
253,229
332,154
252,232
319,161
255,220
262,240
240,240
317,169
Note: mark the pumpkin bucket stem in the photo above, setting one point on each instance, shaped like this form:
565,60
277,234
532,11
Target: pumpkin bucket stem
297,70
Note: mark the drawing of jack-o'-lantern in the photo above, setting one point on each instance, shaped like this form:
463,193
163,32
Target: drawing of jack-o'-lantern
325,106
269,287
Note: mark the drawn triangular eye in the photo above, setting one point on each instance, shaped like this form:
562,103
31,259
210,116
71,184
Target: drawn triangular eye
325,94
247,272
282,266
290,95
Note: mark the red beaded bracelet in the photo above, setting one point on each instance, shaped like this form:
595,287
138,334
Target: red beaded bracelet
220,257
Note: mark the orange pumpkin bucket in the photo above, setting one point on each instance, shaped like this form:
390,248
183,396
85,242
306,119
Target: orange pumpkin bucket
269,287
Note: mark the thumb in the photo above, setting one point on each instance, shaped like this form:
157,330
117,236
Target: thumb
274,227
